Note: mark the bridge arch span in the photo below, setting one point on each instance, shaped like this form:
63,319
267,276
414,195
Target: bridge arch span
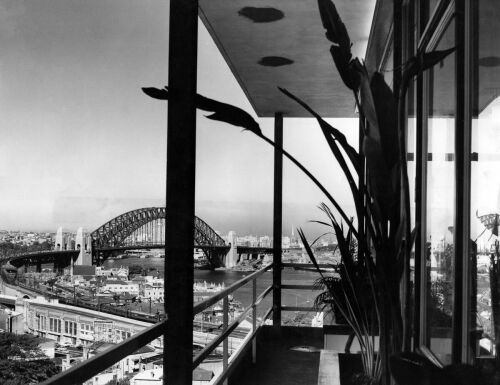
116,234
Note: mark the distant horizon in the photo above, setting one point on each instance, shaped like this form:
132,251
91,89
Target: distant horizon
223,221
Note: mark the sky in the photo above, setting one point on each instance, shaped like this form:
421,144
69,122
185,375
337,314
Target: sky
81,144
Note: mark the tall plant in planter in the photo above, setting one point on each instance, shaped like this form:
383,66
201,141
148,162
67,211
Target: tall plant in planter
384,250
374,273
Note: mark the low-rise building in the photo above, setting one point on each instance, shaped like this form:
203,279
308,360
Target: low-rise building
118,286
155,291
148,377
118,272
126,367
77,326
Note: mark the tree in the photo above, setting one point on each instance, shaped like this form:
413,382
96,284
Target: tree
22,361
51,282
135,270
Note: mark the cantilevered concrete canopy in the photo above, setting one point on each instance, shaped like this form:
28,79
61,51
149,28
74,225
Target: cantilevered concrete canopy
271,43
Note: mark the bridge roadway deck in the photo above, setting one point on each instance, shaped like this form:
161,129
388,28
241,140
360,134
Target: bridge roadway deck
64,257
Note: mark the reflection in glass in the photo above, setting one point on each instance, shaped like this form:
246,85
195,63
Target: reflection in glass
485,187
440,201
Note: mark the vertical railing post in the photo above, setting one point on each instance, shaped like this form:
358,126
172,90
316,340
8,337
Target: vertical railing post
225,323
254,320
181,154
277,219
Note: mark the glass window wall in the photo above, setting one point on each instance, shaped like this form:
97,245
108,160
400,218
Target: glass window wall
439,253
485,182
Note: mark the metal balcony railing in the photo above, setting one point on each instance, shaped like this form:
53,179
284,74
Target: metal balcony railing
92,367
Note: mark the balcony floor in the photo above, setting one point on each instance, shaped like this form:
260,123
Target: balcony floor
276,363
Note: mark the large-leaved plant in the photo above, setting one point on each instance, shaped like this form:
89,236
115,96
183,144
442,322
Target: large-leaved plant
384,239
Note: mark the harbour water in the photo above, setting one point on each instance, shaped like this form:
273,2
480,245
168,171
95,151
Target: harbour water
244,294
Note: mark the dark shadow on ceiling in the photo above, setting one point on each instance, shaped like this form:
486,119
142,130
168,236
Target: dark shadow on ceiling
489,61
275,61
261,14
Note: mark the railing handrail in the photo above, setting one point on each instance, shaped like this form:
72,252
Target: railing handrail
200,306
89,368
225,333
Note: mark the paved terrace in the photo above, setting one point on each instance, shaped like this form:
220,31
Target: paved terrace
276,363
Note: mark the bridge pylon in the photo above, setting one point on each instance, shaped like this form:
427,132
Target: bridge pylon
60,243
83,244
232,255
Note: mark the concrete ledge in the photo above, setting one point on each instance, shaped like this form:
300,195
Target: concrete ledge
329,371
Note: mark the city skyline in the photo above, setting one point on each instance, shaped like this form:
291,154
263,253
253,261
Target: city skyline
289,230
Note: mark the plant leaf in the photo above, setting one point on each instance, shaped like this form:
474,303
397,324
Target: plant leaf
221,111
349,150
346,69
430,59
309,252
336,31
327,130
423,61
380,183
321,223
156,93
385,108
312,178
367,105
318,238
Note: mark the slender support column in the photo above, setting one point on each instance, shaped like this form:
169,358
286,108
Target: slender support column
420,318
277,219
461,286
181,146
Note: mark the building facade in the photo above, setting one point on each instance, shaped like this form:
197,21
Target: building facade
120,287
75,326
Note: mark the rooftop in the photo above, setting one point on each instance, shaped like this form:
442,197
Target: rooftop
115,282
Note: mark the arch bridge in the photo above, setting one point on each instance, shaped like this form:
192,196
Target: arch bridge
145,229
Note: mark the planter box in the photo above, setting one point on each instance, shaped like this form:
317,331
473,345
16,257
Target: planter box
336,336
338,368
